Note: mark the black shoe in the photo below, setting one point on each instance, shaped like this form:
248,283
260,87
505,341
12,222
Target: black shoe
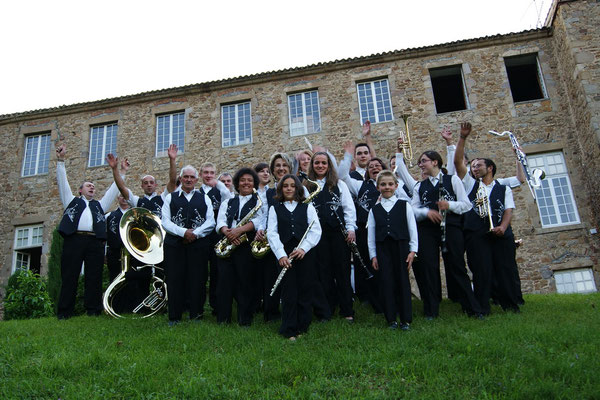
429,318
173,323
393,325
62,317
94,313
405,326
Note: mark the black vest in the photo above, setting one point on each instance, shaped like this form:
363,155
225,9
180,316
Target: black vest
113,237
291,224
186,214
323,203
473,222
232,212
392,223
430,195
72,214
270,195
367,197
154,204
356,175
215,198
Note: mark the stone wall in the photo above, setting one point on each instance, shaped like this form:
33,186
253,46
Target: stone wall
567,120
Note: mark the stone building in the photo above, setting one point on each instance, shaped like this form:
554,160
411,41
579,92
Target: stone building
542,84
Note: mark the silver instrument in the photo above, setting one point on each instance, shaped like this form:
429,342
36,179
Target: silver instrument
443,213
482,202
224,247
534,179
352,245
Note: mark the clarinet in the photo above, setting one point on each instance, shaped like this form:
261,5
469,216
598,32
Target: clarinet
352,245
284,270
443,223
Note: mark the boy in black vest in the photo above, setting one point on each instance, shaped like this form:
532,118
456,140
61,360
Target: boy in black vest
83,226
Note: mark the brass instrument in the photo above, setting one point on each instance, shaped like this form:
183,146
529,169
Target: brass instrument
224,247
261,248
406,143
482,202
534,179
142,235
284,270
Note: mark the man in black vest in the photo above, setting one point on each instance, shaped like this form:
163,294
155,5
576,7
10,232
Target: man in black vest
83,226
363,152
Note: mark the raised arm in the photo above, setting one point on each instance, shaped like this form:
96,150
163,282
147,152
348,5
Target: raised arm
450,150
113,163
172,184
64,190
461,169
113,191
366,130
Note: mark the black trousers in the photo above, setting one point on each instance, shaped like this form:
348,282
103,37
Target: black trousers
236,275
78,249
214,271
296,295
394,283
186,268
269,267
333,260
492,259
365,289
427,270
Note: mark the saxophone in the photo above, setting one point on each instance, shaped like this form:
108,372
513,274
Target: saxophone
261,248
224,248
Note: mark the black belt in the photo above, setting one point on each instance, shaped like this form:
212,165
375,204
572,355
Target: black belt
86,233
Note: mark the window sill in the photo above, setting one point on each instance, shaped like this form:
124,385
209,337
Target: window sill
35,176
563,228
450,112
516,103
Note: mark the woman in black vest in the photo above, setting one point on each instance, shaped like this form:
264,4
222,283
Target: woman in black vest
337,215
236,273
289,219
427,203
393,243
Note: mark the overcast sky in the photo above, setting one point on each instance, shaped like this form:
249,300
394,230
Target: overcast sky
64,52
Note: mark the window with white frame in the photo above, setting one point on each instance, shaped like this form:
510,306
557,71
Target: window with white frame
575,281
170,129
305,116
37,154
525,77
555,199
103,140
374,101
236,124
28,248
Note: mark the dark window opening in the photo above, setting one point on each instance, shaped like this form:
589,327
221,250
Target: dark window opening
524,78
448,89
31,256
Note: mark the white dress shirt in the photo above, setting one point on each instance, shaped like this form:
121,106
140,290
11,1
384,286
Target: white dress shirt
460,206
347,203
311,240
173,229
225,193
388,204
133,199
508,196
86,222
222,217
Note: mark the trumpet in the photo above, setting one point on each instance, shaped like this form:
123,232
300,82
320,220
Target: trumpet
224,247
142,235
406,143
482,202
534,179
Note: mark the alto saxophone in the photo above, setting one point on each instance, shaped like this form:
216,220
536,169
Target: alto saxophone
225,247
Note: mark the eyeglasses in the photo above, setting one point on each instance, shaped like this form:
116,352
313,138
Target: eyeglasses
423,161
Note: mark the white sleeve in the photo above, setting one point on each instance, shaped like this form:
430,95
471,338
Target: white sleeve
462,203
333,161
508,199
512,182
66,195
418,209
371,235
109,197
413,244
450,151
222,217
225,193
314,235
133,199
209,222
403,174
167,224
401,194
468,182
348,206
273,235
344,167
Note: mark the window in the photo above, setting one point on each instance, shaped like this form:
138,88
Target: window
374,101
103,140
525,78
304,113
575,281
170,129
236,124
28,248
555,197
449,92
37,155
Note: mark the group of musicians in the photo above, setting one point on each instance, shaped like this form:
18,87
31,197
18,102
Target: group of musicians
320,218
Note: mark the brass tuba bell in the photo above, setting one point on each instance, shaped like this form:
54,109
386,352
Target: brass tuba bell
142,235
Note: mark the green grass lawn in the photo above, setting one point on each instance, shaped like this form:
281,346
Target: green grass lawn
550,350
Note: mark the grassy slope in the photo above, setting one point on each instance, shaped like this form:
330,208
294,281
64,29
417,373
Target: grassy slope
550,350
